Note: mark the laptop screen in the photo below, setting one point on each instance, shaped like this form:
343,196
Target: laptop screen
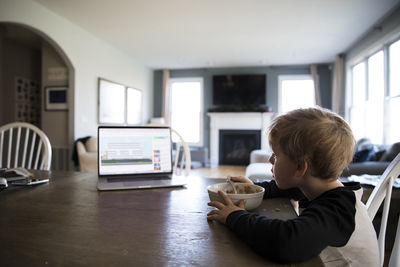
134,150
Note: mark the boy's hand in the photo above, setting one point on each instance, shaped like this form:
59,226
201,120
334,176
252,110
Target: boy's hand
241,179
221,213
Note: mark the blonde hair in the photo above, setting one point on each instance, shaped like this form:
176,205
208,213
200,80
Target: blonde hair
317,136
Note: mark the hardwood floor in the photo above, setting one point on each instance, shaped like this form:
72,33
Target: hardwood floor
221,171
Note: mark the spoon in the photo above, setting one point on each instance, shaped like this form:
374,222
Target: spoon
232,184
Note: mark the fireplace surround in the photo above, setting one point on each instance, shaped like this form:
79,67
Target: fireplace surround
236,121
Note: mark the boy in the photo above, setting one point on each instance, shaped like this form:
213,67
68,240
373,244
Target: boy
311,147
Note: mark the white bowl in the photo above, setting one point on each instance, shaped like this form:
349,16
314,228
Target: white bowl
253,194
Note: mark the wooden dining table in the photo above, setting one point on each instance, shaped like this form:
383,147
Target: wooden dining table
68,222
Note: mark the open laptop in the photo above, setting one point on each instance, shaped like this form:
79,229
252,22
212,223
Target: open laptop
135,158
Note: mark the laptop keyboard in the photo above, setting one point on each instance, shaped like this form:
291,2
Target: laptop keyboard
137,179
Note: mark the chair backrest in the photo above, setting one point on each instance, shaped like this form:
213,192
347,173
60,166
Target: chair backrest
185,156
24,145
186,151
383,192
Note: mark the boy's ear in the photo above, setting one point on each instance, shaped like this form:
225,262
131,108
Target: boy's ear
302,167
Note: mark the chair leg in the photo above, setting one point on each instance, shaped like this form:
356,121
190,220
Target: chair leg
394,260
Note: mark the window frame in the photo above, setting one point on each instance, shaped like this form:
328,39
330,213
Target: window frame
363,57
201,119
290,77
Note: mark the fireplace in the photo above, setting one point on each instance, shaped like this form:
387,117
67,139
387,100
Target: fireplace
258,121
235,146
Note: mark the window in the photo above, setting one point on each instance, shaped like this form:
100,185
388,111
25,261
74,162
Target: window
368,99
376,96
295,91
394,93
373,109
357,113
187,109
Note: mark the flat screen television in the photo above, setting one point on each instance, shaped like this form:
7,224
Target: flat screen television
239,90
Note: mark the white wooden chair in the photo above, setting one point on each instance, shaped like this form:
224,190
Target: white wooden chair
383,192
185,156
24,145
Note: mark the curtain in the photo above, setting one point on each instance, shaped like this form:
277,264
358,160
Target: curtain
165,112
338,92
314,74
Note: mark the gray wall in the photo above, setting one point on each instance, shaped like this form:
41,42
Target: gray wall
54,122
272,72
17,60
388,29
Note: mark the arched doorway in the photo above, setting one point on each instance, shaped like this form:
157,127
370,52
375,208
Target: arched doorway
32,66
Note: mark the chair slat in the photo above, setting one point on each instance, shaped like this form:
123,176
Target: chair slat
31,152
25,147
182,158
178,148
395,256
17,147
9,148
38,155
385,215
41,166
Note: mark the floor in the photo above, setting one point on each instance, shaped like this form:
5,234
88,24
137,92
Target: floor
221,171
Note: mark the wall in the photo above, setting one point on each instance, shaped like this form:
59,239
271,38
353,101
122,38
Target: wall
272,72
54,122
386,30
18,60
89,57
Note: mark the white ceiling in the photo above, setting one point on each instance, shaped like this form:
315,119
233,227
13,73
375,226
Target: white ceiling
219,33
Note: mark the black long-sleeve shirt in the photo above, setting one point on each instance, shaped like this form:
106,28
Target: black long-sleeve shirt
329,220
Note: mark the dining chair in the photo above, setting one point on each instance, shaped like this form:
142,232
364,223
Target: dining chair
185,157
24,145
383,192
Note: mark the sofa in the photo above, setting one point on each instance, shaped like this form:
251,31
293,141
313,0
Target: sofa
87,154
371,159
368,159
259,167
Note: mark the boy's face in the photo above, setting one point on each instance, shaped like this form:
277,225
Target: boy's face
283,169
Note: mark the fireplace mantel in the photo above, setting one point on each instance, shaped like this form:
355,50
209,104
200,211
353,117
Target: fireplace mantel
236,121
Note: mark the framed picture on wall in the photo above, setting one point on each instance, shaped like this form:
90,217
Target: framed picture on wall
133,106
111,102
119,104
56,98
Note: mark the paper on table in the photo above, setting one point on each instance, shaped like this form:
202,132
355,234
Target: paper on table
370,180
21,172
